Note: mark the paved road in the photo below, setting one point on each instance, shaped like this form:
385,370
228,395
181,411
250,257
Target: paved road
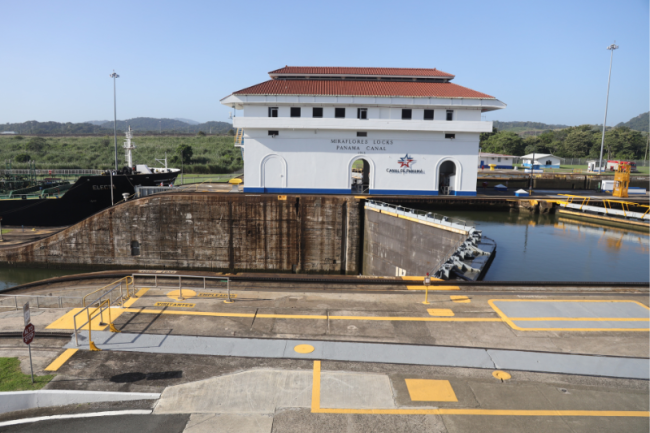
107,424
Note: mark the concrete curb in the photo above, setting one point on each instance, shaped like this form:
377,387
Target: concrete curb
77,415
20,400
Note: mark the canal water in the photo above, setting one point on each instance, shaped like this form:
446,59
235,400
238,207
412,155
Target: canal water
557,248
529,248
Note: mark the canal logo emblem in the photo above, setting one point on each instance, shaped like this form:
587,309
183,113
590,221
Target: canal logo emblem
405,161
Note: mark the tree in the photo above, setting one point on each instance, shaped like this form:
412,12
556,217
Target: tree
36,144
23,157
185,151
231,132
200,134
578,143
507,143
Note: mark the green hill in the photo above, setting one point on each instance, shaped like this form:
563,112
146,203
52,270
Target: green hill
525,126
639,123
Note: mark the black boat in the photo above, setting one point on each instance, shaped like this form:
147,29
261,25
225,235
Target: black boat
51,204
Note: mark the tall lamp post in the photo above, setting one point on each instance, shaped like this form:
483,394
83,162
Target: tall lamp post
602,143
114,76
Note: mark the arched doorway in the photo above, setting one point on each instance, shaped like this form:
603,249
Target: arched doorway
447,178
360,176
274,173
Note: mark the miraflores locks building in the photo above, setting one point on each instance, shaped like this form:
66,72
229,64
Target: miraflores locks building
343,130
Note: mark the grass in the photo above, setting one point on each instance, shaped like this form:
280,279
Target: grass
200,178
12,379
5,231
214,153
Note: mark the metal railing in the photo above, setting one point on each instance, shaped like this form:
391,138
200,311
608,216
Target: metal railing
38,301
121,281
180,281
419,214
63,171
144,191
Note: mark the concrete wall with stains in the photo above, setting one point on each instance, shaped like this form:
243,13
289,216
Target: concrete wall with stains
216,232
400,247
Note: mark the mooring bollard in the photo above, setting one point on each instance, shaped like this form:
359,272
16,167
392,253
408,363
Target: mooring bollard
427,283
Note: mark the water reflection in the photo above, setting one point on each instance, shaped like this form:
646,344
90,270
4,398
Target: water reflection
550,248
13,276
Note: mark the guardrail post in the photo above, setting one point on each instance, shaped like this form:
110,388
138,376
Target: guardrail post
180,288
203,283
74,321
60,302
228,301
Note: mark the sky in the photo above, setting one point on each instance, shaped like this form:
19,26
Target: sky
546,60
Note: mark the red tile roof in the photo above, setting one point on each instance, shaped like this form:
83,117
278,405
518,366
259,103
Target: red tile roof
414,89
400,72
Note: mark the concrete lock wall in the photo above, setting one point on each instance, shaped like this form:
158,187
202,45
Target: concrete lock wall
209,232
395,246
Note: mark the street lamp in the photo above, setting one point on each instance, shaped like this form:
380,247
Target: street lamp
114,76
602,143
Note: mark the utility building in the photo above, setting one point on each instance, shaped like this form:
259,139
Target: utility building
335,130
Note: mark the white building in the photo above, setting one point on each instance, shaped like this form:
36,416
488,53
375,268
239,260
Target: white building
502,162
413,131
543,160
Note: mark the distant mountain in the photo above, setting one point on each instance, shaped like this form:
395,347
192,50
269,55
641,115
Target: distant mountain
639,123
525,126
188,121
138,124
97,122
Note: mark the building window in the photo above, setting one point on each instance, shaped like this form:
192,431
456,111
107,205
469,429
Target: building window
428,114
362,113
295,111
406,113
317,112
273,111
362,134
274,133
339,113
499,159
450,114
452,136
135,248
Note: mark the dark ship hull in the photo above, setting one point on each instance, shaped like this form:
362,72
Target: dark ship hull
88,195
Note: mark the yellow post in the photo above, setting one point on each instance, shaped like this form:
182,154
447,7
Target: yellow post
621,180
427,283
91,345
110,320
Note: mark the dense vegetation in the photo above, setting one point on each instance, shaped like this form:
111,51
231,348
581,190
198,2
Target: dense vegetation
574,142
138,124
525,126
206,154
639,123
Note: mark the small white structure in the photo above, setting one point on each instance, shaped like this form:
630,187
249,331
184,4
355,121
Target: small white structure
409,131
503,162
542,160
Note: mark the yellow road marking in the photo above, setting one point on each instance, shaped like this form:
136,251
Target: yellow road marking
304,348
460,299
578,319
215,295
430,390
444,312
501,375
67,322
60,360
315,408
317,317
432,288
129,302
175,294
510,322
174,304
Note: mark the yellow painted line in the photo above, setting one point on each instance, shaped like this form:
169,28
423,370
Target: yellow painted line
318,317
174,304
175,294
60,360
315,408
215,295
578,319
571,300
315,388
460,299
134,298
510,322
432,288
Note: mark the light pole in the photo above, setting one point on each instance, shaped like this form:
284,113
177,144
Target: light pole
114,76
602,143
